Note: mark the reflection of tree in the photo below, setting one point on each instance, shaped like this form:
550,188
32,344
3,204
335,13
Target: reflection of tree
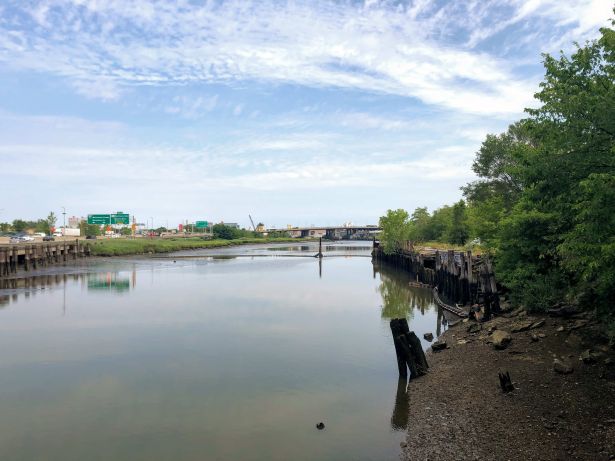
399,299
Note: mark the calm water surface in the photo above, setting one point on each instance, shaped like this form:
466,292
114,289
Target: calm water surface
230,354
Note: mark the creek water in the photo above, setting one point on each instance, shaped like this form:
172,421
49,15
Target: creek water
231,354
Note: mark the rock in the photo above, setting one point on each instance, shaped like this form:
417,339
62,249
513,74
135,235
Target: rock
537,324
534,338
608,361
521,326
560,329
320,426
541,335
403,444
564,311
587,357
428,336
562,367
578,324
438,345
463,341
475,328
501,339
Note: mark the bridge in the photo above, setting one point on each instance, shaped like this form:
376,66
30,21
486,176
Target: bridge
332,232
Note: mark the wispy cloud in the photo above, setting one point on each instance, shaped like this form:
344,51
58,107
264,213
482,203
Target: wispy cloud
380,47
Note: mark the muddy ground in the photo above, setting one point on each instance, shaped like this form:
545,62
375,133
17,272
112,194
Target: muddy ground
459,412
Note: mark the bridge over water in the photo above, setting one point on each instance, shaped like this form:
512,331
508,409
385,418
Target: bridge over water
332,232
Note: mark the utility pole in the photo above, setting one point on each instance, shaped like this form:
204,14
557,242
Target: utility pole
64,221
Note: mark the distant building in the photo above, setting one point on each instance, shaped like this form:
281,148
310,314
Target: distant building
234,225
73,222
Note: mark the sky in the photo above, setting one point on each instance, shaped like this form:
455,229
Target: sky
295,112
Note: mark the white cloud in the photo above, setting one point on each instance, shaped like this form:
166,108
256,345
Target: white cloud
377,47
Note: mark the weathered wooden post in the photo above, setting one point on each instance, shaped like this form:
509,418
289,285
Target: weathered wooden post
319,254
408,350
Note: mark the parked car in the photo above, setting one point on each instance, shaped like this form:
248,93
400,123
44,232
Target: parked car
48,238
90,237
21,239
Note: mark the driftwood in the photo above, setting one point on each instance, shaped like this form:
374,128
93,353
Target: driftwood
408,350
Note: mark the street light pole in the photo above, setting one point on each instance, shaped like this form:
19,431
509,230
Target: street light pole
64,226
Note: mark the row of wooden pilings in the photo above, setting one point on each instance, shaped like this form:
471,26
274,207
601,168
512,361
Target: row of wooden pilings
33,256
459,276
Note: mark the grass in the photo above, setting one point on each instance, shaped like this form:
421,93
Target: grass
476,249
125,247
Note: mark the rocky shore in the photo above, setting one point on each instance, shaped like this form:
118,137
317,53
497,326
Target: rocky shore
562,406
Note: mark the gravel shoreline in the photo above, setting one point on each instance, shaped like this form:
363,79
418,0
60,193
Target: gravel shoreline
458,411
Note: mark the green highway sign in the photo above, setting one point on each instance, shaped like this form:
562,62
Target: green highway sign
107,219
201,224
120,218
99,219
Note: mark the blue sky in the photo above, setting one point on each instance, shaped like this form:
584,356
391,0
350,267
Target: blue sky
297,112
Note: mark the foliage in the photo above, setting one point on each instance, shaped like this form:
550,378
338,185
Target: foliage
50,222
544,201
89,229
123,247
396,229
224,232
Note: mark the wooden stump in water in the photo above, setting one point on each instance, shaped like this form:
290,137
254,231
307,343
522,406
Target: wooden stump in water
408,350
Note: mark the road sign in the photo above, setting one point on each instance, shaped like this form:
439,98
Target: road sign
100,219
120,218
201,224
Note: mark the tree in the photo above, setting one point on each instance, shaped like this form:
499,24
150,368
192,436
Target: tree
51,221
420,230
89,229
545,194
396,229
224,232
19,225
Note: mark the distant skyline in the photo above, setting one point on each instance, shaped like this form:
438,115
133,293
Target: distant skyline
298,112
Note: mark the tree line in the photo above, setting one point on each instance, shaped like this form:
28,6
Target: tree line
544,200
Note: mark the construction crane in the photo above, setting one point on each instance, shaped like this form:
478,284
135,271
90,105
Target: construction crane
253,226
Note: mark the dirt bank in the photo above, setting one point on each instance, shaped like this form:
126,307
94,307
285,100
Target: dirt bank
459,412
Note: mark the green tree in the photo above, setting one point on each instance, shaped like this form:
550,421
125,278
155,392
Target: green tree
396,229
420,230
51,222
89,229
544,196
458,231
224,232
19,225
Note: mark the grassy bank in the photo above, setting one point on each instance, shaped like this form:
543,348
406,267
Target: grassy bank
122,247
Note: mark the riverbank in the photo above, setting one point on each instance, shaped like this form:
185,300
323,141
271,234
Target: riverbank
458,411
128,247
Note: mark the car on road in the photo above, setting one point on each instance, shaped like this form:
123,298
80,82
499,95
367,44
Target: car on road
21,239
90,237
48,238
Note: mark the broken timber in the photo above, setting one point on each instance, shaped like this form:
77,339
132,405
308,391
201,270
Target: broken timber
461,278
410,355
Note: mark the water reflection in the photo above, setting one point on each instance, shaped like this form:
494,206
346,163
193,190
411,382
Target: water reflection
399,418
160,372
110,281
